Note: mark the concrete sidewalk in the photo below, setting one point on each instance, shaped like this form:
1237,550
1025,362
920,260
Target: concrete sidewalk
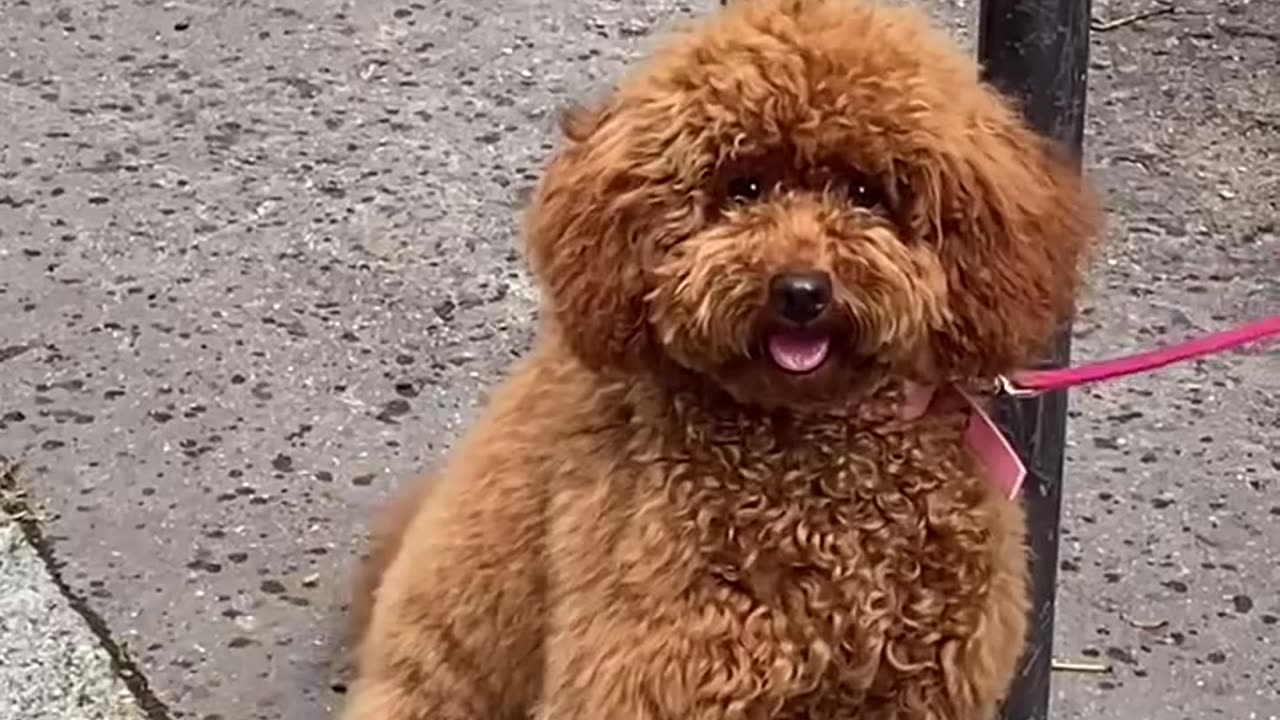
257,268
52,665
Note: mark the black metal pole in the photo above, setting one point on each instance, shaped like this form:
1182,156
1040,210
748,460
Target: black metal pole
1037,52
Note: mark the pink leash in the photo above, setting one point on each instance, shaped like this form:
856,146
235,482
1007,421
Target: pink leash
1005,468
1034,382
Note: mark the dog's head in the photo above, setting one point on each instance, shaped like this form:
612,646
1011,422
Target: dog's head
799,198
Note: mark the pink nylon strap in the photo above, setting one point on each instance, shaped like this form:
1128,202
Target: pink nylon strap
1005,469
1001,462
1035,382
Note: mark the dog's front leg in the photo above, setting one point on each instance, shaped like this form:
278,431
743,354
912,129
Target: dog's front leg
457,625
440,692
432,674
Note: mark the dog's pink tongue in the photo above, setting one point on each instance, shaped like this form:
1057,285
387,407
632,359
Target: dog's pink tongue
798,353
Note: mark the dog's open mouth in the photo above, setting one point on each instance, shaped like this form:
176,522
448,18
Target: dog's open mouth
799,352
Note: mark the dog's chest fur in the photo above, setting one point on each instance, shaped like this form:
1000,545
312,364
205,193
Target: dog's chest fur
825,560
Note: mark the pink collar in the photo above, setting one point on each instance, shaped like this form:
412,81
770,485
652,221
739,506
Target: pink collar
1003,465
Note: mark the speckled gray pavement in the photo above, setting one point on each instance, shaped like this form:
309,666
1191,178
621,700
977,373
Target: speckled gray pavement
257,267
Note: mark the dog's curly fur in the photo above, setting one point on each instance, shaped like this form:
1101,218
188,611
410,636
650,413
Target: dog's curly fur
655,521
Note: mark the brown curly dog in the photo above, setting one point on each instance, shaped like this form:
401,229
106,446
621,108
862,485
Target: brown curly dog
700,497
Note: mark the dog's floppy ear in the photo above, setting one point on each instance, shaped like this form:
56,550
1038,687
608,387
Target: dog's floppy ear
583,236
1015,223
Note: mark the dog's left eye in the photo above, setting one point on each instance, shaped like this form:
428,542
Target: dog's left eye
745,189
864,194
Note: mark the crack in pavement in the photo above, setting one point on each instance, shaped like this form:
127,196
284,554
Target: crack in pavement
13,503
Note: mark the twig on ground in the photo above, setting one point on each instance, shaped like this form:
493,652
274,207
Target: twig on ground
1205,540
1145,624
1080,667
1097,25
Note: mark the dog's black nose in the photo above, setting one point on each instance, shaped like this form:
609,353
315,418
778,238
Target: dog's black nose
800,297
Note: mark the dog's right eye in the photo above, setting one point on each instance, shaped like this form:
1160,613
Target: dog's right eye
745,189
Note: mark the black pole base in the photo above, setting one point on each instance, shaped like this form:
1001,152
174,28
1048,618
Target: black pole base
1037,53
